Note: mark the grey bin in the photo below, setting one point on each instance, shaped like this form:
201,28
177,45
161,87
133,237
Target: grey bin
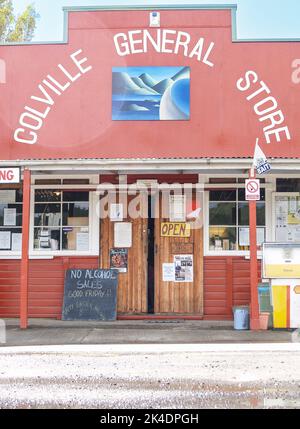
241,318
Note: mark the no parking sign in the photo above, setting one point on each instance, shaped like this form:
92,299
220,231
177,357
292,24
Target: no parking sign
252,190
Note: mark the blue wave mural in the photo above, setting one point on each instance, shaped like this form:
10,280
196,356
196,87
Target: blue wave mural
150,93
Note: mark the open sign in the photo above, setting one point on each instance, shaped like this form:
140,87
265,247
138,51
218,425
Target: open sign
10,175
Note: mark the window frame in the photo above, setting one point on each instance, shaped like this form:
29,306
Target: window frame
12,254
269,189
94,222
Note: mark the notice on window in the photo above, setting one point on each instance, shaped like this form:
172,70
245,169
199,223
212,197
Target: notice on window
168,272
122,234
244,238
10,217
5,239
184,269
16,242
7,196
82,241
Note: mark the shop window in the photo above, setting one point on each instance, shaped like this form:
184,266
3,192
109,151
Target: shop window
288,185
229,220
62,181
11,220
61,220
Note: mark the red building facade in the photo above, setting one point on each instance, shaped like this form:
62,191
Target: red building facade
72,119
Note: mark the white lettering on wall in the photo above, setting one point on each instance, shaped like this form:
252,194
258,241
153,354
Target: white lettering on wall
296,72
2,71
163,41
32,119
265,106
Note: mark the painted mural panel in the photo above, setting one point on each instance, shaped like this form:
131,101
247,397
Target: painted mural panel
150,93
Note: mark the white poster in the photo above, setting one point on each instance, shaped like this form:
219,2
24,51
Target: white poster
16,242
184,269
168,270
7,196
177,208
293,205
82,241
244,238
122,234
5,237
116,212
10,217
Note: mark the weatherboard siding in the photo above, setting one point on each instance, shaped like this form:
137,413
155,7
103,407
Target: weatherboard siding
226,283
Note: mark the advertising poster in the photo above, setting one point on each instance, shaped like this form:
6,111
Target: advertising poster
184,268
119,259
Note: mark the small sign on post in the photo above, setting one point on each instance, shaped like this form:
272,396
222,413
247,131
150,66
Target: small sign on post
252,190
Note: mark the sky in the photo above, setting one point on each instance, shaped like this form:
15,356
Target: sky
256,19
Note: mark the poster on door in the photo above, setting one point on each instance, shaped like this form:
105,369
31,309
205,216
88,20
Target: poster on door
184,268
119,259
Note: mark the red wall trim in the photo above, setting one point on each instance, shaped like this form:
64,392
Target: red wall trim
226,283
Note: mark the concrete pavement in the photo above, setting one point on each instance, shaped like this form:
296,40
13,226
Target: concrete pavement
151,376
57,332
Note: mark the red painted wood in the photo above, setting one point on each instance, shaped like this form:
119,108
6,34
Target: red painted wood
229,286
25,251
46,282
84,129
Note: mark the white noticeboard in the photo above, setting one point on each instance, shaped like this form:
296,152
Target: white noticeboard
168,270
287,217
252,190
5,237
10,217
184,268
122,234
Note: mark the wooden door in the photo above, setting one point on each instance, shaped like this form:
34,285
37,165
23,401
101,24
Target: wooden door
132,287
178,297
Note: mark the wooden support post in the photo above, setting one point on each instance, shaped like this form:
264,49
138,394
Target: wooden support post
254,310
25,251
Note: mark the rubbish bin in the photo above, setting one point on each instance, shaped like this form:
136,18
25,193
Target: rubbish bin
264,301
241,318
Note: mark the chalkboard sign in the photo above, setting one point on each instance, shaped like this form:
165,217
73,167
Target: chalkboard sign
90,295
